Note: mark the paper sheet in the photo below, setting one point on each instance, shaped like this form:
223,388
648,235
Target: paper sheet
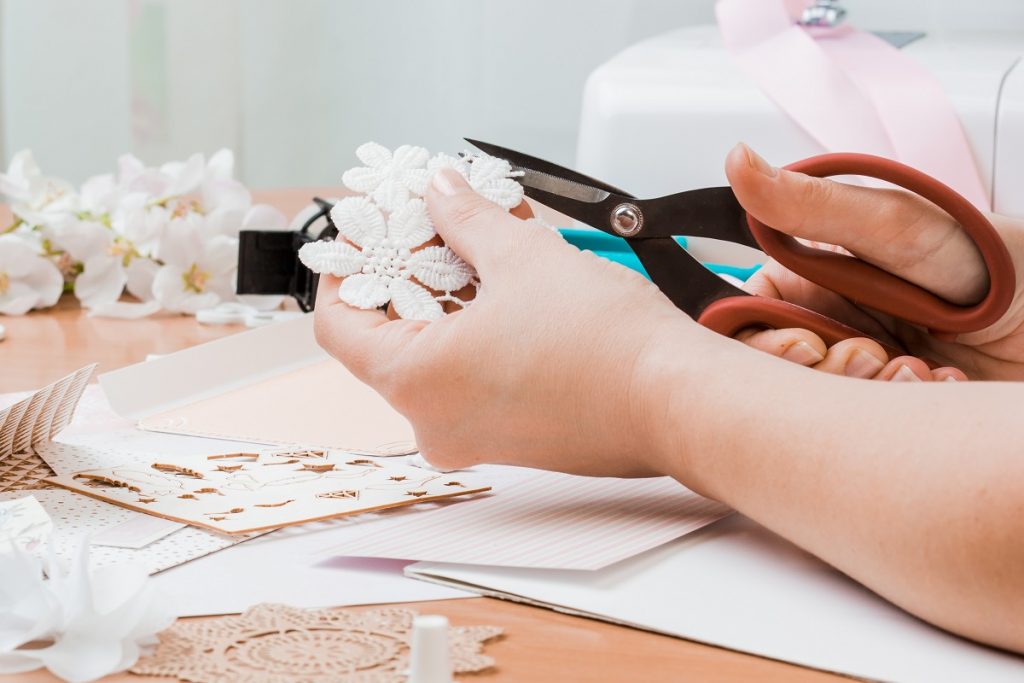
226,576
135,533
245,492
548,520
736,585
75,515
285,567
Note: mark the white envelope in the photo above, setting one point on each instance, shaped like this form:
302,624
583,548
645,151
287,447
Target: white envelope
739,586
270,385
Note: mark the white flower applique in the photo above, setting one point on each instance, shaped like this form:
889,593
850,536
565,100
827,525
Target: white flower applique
490,177
385,268
390,226
389,178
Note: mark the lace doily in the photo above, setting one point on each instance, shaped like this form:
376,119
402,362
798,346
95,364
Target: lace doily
387,250
280,644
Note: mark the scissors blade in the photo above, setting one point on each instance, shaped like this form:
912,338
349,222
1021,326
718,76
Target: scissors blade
547,172
573,194
708,212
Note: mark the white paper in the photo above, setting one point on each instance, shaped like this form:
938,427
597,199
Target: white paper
284,567
24,524
548,520
135,533
738,586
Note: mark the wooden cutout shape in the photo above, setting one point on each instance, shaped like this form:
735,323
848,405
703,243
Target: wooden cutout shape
340,494
304,453
176,469
232,456
313,467
97,481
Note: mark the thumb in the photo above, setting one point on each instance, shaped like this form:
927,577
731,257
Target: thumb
471,225
895,230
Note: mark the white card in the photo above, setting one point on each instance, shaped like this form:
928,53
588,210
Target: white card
137,532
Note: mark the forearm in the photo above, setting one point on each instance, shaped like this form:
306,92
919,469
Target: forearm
915,490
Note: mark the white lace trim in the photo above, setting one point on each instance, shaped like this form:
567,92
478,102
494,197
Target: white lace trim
386,258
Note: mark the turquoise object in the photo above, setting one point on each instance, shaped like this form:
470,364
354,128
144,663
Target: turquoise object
615,249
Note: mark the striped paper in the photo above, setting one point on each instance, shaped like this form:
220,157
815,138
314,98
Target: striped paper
548,520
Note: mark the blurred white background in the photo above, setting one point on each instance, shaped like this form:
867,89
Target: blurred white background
293,86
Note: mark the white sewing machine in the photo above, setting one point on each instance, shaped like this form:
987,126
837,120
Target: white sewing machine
661,115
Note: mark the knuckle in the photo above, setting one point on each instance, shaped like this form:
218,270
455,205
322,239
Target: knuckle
817,193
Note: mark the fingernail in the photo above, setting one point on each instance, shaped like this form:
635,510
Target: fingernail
802,353
905,374
758,163
447,181
862,364
950,378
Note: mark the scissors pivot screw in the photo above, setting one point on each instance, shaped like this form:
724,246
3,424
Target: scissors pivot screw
627,219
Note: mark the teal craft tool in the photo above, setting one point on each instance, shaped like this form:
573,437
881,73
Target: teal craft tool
616,249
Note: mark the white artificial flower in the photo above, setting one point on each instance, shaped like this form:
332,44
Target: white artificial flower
218,189
82,624
382,268
98,196
199,266
27,279
490,177
34,198
171,180
390,178
105,257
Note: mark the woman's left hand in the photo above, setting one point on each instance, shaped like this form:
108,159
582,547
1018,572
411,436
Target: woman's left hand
556,364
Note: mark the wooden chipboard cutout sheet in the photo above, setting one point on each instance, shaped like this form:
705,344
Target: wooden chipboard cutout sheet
248,492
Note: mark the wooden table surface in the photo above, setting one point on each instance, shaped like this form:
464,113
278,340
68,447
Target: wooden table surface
539,645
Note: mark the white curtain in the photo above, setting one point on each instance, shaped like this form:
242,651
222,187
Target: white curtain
293,86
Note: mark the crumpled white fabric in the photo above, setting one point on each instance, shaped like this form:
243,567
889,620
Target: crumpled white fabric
95,622
382,257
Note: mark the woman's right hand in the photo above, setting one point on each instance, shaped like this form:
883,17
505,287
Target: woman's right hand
899,232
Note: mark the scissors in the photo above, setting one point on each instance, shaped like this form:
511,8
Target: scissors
649,227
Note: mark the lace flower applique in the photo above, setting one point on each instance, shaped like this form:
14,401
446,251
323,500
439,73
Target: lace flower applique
390,178
382,269
490,177
387,250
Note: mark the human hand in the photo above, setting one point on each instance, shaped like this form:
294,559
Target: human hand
899,232
556,364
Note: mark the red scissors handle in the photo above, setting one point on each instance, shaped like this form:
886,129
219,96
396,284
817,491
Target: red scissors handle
864,283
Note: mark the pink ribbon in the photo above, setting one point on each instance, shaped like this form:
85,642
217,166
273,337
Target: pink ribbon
851,91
